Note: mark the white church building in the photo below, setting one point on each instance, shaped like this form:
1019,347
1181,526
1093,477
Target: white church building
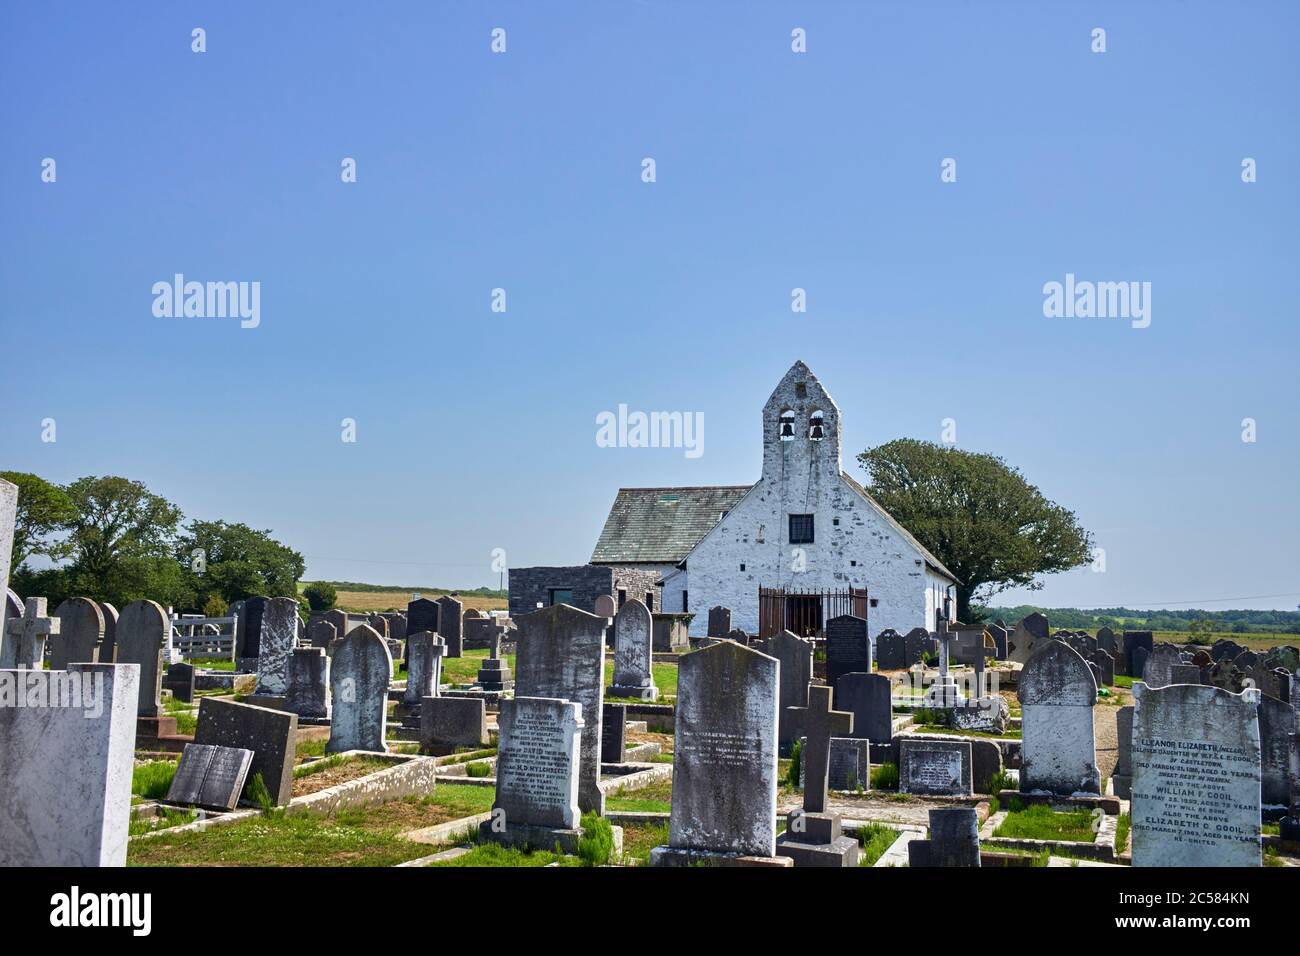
796,548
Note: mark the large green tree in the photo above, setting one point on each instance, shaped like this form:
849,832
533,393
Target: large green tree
976,514
44,513
121,540
234,561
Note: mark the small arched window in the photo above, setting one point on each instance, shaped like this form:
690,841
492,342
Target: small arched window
786,429
816,426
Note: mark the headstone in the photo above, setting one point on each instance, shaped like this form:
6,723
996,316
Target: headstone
25,636
308,693
272,736
108,647
813,836
613,733
1029,633
278,634
604,606
850,764
380,624
1289,829
1133,641
359,675
339,621
537,770
322,634
1225,648
447,723
1057,693
937,767
49,815
1138,662
954,840
397,629
724,757
891,651
1246,660
739,636
424,667
248,636
421,615
1158,671
561,654
1105,666
1196,777
1277,722
633,655
8,522
1000,637
867,698
141,631
848,648
81,629
1184,674
916,644
210,776
796,658
1107,642
449,625
494,673
719,621
1122,776
179,679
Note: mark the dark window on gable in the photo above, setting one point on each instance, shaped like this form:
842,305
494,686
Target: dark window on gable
685,604
801,529
650,601
622,597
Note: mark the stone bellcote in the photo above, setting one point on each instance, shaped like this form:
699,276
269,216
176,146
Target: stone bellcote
801,429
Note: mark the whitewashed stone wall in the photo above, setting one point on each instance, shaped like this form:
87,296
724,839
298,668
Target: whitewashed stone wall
803,476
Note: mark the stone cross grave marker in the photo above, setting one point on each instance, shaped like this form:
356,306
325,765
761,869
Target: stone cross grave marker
24,644
819,724
81,628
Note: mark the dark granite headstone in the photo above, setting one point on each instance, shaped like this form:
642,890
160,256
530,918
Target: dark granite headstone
719,621
867,698
210,776
613,733
848,648
270,734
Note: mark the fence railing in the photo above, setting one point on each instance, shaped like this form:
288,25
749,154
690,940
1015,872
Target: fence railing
188,639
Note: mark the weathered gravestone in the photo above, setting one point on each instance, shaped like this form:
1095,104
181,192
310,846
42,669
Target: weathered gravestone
179,679
449,625
724,759
359,675
339,621
561,654
719,621
81,629
1135,641
67,769
308,693
424,667
867,698
1122,775
917,643
141,632
322,634
1105,666
380,625
272,736
397,628
1000,637
613,733
1290,825
954,840
812,836
1106,641
939,767
25,636
739,636
796,658
891,650
447,723
1277,722
1031,632
421,615
849,762
210,776
8,522
848,648
1196,777
108,647
248,633
1160,663
1057,693
633,653
538,771
278,633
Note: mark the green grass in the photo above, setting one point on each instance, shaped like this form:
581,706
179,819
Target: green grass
640,838
875,838
152,780
213,663
464,670
187,723
1121,832
333,760
665,676
654,798
363,836
478,770
1041,822
884,777
496,855
596,845
1122,681
165,820
311,748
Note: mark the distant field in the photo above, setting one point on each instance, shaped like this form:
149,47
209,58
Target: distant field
1254,641
397,600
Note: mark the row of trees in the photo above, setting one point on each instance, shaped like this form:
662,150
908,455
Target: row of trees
112,539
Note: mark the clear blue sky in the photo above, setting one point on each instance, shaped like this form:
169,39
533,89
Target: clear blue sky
476,430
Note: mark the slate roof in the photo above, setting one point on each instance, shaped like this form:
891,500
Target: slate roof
661,525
